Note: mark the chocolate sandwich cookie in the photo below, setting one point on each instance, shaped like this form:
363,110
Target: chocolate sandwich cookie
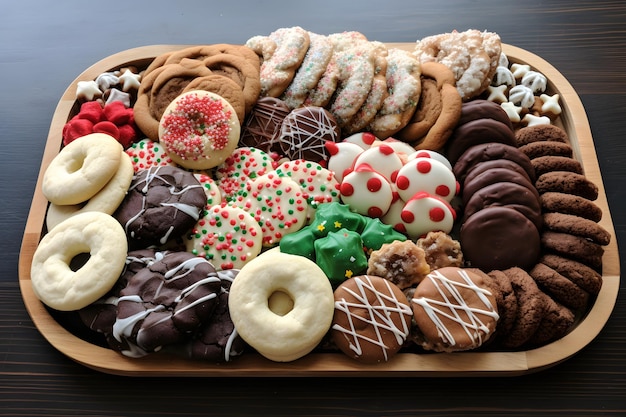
570,204
477,132
507,303
493,176
162,203
573,247
580,274
555,324
549,163
568,183
489,152
576,225
483,109
532,306
540,133
500,238
547,148
506,194
559,288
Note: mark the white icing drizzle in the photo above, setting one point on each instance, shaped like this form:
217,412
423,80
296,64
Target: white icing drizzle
379,316
453,301
152,173
306,131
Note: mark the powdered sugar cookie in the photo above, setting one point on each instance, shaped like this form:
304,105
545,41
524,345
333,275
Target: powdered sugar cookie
404,87
199,130
472,56
282,53
318,184
429,175
147,153
242,165
366,191
277,204
227,235
310,71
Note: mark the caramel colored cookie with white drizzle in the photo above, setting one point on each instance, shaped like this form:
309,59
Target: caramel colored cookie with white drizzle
372,319
472,56
282,53
454,310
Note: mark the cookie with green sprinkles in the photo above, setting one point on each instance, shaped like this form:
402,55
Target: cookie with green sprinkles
227,235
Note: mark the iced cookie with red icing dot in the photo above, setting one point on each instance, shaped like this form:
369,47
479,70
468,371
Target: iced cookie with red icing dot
425,213
425,153
342,156
366,191
364,139
429,175
199,129
227,235
242,165
317,183
147,153
383,159
277,204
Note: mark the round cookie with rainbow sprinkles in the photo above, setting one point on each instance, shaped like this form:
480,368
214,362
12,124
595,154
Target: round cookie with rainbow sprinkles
227,235
199,129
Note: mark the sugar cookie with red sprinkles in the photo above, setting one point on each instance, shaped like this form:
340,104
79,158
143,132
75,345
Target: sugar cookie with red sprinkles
242,165
227,236
210,187
277,204
199,130
317,183
366,191
147,153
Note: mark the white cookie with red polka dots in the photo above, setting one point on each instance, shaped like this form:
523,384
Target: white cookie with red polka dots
364,139
277,204
425,213
383,159
227,235
342,156
317,183
366,191
429,175
425,153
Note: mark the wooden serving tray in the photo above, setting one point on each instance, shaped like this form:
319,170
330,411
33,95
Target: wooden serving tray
573,120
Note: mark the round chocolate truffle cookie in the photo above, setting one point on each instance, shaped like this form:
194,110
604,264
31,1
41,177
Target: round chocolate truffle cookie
261,128
162,202
500,238
454,310
304,132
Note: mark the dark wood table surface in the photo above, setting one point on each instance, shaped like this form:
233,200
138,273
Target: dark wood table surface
45,45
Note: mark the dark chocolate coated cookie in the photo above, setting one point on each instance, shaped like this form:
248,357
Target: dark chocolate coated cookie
493,176
499,238
162,203
489,152
477,132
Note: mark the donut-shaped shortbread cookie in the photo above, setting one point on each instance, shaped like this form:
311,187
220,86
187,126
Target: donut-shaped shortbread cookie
106,200
81,169
64,288
282,305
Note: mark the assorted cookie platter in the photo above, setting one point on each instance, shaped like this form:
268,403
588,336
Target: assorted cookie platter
59,330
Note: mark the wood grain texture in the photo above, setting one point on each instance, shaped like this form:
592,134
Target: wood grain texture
44,47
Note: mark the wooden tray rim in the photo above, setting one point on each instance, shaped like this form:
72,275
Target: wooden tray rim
328,364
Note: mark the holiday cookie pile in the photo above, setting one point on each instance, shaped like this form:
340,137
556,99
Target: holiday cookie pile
305,192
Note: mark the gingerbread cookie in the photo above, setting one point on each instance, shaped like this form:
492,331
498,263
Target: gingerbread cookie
580,274
567,183
559,287
576,225
547,133
544,164
547,148
574,247
570,204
